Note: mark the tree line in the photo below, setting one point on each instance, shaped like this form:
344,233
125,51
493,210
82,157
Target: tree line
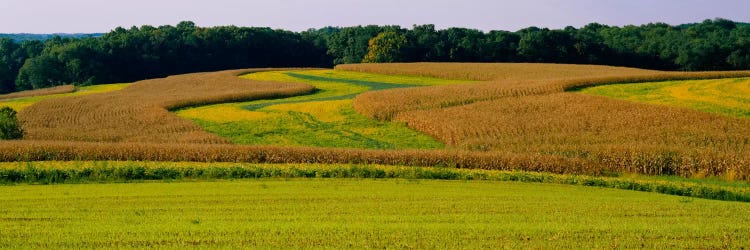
125,55
20,37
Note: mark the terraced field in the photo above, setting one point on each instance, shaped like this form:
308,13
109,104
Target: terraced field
323,119
721,96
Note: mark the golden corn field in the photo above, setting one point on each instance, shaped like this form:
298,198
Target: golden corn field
140,112
523,112
96,151
500,80
38,92
518,119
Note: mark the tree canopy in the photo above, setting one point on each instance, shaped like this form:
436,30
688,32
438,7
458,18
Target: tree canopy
385,47
9,126
125,55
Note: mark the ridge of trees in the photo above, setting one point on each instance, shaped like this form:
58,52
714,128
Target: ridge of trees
125,55
20,37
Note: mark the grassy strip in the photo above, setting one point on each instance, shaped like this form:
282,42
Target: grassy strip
369,85
730,96
325,118
85,172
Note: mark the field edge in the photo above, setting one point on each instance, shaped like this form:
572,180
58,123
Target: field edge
81,172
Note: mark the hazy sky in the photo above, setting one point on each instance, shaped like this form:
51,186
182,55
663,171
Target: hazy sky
71,16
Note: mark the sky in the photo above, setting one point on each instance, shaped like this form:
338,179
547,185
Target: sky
95,16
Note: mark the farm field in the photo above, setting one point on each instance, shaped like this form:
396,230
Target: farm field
361,213
523,120
430,156
325,118
721,96
532,116
72,172
499,80
19,103
139,112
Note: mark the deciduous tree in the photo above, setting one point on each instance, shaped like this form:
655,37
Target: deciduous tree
385,47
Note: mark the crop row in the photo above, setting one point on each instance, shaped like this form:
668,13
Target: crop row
526,113
40,92
139,113
502,80
605,160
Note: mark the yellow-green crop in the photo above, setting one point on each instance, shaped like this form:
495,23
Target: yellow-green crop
325,118
361,213
729,96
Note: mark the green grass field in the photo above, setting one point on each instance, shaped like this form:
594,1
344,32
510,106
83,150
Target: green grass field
722,96
21,103
324,119
362,213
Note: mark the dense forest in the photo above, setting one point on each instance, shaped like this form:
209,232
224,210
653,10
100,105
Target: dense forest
125,55
26,36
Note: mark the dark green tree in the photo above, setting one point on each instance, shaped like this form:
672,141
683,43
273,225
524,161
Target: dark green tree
130,54
8,65
10,129
544,45
421,41
41,72
501,46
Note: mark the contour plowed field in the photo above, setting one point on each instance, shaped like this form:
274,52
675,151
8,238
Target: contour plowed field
139,113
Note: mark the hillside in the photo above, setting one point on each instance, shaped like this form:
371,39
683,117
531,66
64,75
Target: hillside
139,113
418,155
521,121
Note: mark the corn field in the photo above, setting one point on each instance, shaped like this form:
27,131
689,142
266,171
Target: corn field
515,122
524,109
140,112
39,92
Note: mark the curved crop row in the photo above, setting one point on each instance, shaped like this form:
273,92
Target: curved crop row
608,160
520,112
39,92
139,113
501,80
